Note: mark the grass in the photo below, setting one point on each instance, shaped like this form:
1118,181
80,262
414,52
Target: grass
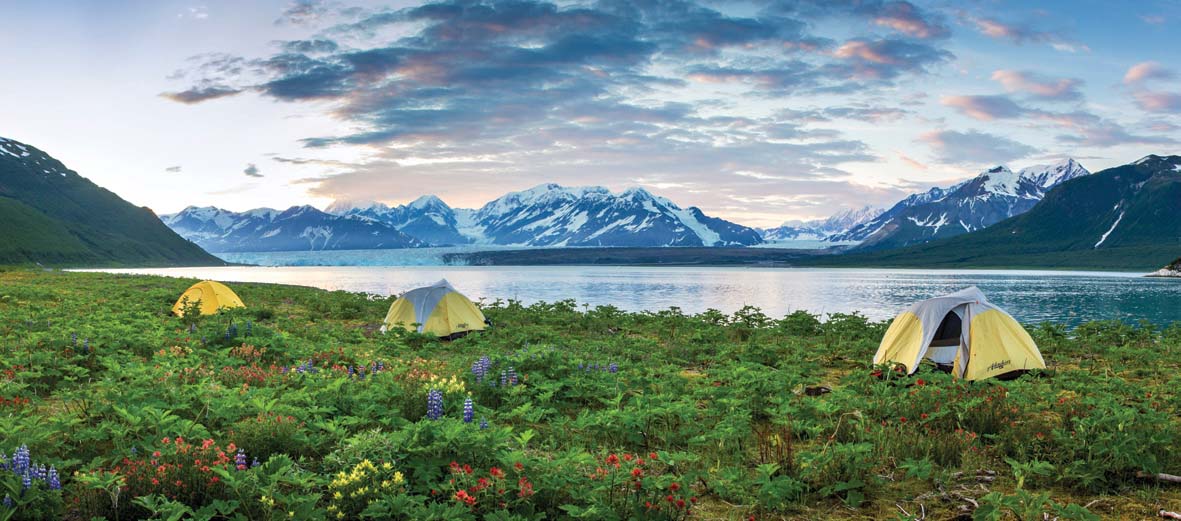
96,378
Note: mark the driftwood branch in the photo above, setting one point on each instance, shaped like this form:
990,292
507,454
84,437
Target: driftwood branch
1168,515
1160,477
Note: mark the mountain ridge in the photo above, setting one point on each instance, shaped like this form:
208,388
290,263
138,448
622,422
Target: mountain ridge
54,216
974,204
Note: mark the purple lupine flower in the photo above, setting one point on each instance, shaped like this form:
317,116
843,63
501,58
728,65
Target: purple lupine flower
481,367
240,459
503,378
53,480
7,501
434,404
351,371
469,410
20,460
249,327
134,451
26,481
483,423
86,346
255,463
613,368
74,339
512,376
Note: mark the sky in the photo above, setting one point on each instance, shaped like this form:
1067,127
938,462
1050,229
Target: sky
758,111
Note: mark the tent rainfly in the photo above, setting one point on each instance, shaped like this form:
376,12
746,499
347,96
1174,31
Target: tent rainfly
438,309
962,330
213,297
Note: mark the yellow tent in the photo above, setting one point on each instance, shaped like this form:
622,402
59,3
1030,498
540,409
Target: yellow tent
962,330
213,297
437,309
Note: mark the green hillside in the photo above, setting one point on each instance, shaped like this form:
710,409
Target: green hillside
1128,217
53,216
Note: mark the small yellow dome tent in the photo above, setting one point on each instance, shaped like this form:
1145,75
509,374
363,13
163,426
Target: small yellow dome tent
213,297
438,309
963,330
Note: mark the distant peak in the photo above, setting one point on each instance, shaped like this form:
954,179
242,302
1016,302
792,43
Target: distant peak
427,201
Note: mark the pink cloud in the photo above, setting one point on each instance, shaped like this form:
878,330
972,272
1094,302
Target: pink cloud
1036,85
1158,101
1147,71
984,108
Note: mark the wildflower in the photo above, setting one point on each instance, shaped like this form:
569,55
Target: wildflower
483,423
902,419
7,501
637,472
434,404
674,486
240,459
468,410
255,463
613,368
613,460
53,480
652,455
496,472
512,376
920,382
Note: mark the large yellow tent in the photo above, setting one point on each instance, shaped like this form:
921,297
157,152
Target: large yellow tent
963,330
437,309
212,295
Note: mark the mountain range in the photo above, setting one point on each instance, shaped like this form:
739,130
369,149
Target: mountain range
51,215
992,196
820,229
1127,217
294,229
548,215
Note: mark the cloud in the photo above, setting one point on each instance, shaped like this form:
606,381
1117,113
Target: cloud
1094,131
486,95
303,12
1039,86
888,58
197,12
1144,71
1153,19
1159,102
984,108
974,148
1020,34
905,18
200,94
173,169
251,171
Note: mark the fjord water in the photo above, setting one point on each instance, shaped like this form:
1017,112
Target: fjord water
1031,296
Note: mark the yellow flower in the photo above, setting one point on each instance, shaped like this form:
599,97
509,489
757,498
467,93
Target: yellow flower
337,495
387,466
398,478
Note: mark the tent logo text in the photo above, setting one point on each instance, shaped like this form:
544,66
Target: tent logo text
999,365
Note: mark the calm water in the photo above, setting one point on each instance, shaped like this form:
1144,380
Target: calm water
1031,296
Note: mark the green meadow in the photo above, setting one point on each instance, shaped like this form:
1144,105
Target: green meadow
297,407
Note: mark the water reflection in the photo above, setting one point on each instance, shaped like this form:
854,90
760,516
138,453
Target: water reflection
1031,296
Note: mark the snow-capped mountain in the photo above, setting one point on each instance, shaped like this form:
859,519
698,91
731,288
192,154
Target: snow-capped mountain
297,228
427,218
820,229
552,215
992,196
